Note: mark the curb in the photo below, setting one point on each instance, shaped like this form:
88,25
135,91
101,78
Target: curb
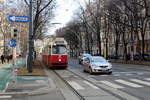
32,93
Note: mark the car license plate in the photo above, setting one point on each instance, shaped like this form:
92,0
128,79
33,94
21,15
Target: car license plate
104,69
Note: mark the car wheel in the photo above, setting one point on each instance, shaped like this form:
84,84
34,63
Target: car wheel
84,70
109,73
90,70
79,62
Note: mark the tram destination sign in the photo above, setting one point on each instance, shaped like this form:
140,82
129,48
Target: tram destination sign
18,19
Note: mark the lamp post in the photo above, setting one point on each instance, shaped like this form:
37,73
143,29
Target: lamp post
30,53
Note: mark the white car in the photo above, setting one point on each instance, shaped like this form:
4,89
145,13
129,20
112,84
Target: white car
83,56
97,64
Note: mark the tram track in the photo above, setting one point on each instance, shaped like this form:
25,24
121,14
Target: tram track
120,94
79,95
75,92
97,86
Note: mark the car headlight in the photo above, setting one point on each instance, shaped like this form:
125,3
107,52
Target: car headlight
109,67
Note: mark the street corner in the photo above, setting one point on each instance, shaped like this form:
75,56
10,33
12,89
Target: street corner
28,84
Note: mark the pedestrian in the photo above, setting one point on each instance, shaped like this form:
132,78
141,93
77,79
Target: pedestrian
10,57
7,57
2,58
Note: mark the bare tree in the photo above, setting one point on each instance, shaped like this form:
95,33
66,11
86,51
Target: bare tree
42,14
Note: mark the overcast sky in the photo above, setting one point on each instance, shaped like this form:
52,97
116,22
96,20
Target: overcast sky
64,13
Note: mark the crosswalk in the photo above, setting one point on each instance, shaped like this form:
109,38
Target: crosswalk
117,84
141,82
128,83
147,79
111,84
129,73
132,83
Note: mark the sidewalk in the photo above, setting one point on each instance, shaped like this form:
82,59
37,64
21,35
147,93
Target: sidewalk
33,86
6,73
29,82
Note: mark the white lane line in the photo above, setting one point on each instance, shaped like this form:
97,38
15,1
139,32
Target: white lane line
116,74
141,82
128,83
76,85
111,84
140,73
95,87
147,79
128,74
5,96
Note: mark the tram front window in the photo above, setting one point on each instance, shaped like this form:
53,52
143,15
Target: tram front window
59,49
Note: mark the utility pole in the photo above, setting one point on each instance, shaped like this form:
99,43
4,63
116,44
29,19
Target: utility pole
30,53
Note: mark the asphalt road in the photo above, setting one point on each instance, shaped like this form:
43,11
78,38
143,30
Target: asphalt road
133,80
127,82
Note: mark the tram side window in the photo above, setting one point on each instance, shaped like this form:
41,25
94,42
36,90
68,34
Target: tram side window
59,49
49,49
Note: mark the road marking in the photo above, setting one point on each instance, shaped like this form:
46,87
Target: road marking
128,83
141,82
111,84
95,87
76,85
5,96
104,75
147,79
140,73
116,74
128,74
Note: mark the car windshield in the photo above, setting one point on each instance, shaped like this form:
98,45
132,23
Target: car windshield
98,59
86,55
59,49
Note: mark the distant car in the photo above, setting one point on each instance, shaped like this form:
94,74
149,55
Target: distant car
83,56
147,57
97,64
137,57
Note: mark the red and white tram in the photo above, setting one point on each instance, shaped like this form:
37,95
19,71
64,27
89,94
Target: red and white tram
55,53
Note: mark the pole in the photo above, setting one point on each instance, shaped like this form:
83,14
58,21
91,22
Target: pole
30,53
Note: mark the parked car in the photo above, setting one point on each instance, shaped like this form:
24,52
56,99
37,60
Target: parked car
137,57
83,56
115,57
147,57
97,64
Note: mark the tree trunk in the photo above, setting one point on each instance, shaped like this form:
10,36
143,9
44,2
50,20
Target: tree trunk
125,51
99,41
116,48
143,47
106,48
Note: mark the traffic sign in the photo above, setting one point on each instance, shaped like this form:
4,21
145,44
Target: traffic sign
12,43
18,19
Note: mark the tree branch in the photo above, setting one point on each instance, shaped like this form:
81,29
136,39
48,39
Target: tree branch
26,3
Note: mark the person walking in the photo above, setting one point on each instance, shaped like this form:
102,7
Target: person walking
2,58
8,58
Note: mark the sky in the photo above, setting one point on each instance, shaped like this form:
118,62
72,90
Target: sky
64,13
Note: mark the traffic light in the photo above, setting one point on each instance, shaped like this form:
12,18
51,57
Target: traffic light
15,33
